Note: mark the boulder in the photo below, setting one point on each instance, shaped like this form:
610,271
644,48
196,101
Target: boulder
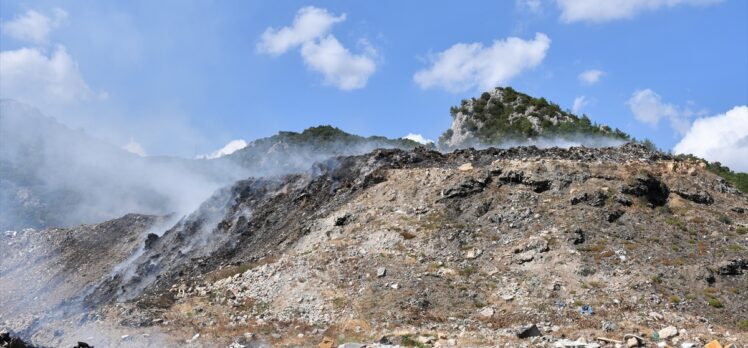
529,331
668,332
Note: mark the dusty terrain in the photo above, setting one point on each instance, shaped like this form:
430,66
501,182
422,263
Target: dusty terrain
411,248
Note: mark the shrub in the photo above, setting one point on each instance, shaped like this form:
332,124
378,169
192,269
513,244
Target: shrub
715,302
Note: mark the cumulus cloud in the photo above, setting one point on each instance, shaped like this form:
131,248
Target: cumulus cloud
597,11
579,103
590,77
471,65
309,24
322,52
33,27
231,147
648,107
722,138
341,68
418,138
29,74
133,146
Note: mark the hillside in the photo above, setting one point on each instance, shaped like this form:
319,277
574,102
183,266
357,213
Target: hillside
503,115
291,152
416,248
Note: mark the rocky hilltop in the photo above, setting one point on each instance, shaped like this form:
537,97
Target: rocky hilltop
503,116
578,247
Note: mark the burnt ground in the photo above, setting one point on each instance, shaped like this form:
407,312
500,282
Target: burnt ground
463,248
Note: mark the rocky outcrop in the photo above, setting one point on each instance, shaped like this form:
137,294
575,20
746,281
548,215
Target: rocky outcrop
505,116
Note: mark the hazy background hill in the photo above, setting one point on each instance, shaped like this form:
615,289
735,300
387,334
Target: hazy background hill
55,176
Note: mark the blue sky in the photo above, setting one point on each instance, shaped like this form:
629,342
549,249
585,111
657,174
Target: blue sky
185,78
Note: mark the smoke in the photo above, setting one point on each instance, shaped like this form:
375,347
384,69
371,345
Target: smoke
55,176
567,141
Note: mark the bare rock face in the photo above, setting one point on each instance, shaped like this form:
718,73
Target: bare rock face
418,246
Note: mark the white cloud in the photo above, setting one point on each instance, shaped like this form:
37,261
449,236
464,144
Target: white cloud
231,147
579,103
722,138
648,108
418,138
322,52
590,77
469,65
33,26
134,147
30,75
598,11
341,68
309,24
534,6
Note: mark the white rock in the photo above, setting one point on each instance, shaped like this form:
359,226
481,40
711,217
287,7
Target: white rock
486,312
381,272
668,332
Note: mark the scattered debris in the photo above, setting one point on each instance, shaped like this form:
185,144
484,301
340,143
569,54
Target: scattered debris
586,309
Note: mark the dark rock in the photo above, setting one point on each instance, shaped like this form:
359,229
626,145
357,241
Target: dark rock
467,188
583,197
694,195
646,185
577,237
10,341
613,215
343,220
150,239
732,267
598,199
530,331
385,340
622,200
512,177
83,345
738,210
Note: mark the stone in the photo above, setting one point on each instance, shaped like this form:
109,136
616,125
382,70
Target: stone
633,340
713,344
150,240
486,312
610,326
473,253
529,331
688,345
381,272
327,342
668,332
465,167
655,315
395,286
